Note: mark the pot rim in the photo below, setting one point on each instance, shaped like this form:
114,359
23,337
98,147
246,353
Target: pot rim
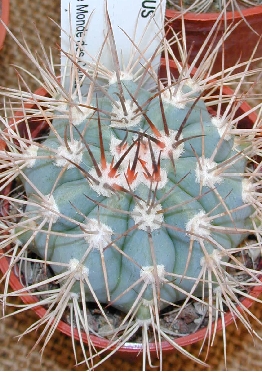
130,347
234,16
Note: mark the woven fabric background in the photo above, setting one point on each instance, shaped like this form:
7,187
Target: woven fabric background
243,353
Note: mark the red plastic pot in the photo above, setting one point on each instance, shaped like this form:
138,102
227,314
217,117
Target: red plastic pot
129,348
238,47
4,16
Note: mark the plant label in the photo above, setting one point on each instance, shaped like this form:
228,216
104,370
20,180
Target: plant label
137,27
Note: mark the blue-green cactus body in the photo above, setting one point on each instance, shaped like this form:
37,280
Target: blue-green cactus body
96,208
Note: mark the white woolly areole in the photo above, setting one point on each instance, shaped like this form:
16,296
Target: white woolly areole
222,127
50,208
248,189
199,225
31,155
169,142
104,180
147,273
218,290
147,216
212,259
175,97
80,113
123,76
75,154
192,84
97,234
120,120
160,184
74,295
78,269
62,107
206,174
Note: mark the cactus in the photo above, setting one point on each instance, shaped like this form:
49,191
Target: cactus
135,198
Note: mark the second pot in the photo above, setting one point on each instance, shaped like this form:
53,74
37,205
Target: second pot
238,46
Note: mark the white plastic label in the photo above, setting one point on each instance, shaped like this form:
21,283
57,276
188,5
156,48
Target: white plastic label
138,20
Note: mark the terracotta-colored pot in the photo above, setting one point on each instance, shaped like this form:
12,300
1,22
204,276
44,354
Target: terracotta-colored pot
238,47
4,16
130,348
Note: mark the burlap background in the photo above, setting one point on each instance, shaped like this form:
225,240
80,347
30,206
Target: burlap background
243,353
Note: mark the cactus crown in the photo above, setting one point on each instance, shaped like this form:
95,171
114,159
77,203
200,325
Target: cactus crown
136,198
